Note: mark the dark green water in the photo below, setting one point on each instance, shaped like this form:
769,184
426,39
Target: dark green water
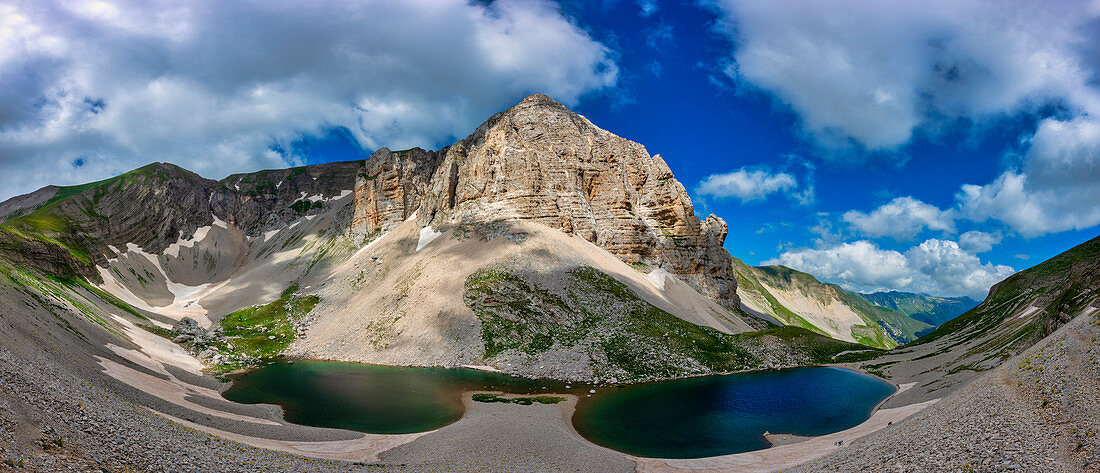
687,418
372,398
720,415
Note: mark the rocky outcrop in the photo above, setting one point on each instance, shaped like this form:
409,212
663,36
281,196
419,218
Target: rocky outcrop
264,199
389,189
540,161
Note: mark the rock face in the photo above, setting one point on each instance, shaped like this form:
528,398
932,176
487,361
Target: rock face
540,161
389,189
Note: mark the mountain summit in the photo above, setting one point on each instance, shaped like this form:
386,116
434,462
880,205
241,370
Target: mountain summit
540,161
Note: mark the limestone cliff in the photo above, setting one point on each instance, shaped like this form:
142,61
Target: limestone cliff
540,161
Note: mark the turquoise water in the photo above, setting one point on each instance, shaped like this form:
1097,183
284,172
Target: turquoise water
687,418
720,415
371,398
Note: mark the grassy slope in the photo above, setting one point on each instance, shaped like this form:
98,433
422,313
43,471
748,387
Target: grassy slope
259,332
746,279
53,222
1061,287
599,315
884,328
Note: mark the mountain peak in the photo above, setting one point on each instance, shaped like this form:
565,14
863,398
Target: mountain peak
540,99
542,162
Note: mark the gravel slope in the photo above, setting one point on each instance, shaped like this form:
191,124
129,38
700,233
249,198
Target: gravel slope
1039,412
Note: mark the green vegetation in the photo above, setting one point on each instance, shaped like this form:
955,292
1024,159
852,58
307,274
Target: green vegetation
623,334
1005,324
63,219
1060,288
158,330
818,349
303,206
62,290
525,401
746,279
264,331
928,309
73,283
254,334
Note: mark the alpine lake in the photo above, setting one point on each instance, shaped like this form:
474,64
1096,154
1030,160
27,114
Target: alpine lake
682,418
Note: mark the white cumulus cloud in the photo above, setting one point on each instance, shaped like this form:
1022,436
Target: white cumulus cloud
747,184
1057,188
876,74
937,267
214,86
901,218
976,241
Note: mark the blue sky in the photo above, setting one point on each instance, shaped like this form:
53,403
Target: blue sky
931,148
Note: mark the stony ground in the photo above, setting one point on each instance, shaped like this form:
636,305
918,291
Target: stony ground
1040,412
58,416
54,420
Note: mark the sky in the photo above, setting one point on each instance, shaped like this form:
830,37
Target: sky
933,147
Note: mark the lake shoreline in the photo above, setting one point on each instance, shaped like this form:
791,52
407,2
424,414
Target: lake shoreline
375,447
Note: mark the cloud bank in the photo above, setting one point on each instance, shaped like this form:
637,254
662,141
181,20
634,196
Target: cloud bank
937,267
873,75
95,87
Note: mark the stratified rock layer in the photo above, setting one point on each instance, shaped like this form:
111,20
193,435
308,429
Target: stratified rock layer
540,161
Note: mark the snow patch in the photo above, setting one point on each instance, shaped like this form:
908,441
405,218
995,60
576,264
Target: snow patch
1030,310
411,217
427,235
368,245
173,250
482,368
219,222
658,277
184,298
155,350
343,193
315,198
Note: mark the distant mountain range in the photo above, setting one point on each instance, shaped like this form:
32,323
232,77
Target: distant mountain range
931,310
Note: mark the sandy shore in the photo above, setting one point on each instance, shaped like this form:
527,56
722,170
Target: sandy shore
364,449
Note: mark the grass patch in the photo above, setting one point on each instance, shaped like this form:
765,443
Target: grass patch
303,206
157,330
264,331
525,401
626,338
